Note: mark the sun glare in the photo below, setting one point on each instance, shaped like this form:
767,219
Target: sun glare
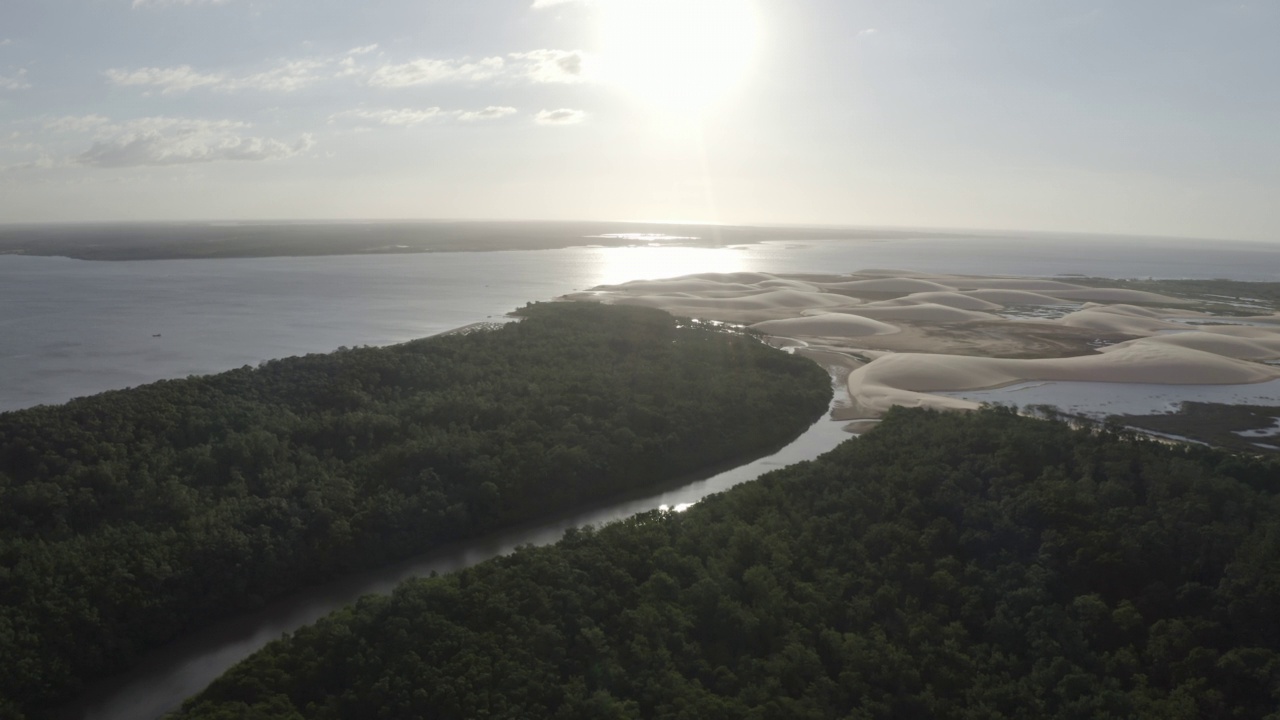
623,264
677,55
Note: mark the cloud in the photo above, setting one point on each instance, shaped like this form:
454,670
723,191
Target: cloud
5,41
403,118
76,123
426,72
539,66
15,82
563,116
408,117
287,77
169,80
551,66
178,141
493,112
539,4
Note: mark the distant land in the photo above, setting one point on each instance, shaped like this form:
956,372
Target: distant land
193,240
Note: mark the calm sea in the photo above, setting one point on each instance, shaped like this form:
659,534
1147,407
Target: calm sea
70,328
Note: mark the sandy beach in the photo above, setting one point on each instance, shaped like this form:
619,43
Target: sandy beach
904,337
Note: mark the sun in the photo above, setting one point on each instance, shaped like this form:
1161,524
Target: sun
678,55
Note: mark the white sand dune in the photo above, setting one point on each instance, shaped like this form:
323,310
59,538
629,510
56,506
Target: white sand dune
906,378
1103,321
792,284
921,315
736,307
1244,348
941,297
1146,312
1119,295
923,312
746,278
1015,297
832,324
1005,283
891,285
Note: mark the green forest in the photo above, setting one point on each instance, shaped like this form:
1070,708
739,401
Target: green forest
132,517
964,566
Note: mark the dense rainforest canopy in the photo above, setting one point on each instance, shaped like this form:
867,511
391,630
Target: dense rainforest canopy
943,566
133,516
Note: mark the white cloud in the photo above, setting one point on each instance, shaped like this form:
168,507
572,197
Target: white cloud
540,66
145,3
425,71
76,123
539,4
15,82
552,66
176,141
563,116
169,80
286,77
408,117
404,118
493,112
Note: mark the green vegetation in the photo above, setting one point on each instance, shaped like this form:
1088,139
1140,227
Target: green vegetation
1216,424
943,566
131,517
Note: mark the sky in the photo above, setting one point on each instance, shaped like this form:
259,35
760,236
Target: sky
1127,117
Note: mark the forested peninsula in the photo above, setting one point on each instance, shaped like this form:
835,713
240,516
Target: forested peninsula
132,517
979,565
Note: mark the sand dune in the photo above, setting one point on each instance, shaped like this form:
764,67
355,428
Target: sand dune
906,378
1146,312
903,323
942,297
1003,283
889,286
1119,295
826,325
1015,297
1245,348
1101,320
923,312
674,285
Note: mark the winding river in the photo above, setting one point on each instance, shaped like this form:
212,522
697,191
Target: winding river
168,676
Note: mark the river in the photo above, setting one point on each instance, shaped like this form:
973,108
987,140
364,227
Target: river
170,675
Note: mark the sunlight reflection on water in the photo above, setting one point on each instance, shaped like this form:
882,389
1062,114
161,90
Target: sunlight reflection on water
619,265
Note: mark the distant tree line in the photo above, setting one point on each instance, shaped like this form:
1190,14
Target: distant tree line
942,566
132,517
